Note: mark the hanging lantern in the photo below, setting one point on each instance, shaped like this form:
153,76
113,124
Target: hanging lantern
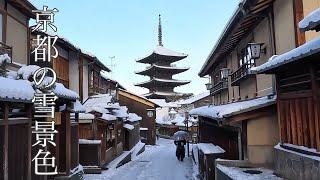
254,50
225,73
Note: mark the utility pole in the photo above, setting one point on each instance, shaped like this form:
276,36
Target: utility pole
112,64
187,128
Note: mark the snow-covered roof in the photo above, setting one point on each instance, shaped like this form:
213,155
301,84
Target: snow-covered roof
167,52
195,98
209,148
219,112
100,100
181,82
122,112
16,90
62,92
170,68
163,103
128,126
78,107
162,93
305,50
26,71
108,117
178,120
134,117
86,116
96,109
88,141
311,21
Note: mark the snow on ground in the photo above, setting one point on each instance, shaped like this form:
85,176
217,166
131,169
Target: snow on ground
156,163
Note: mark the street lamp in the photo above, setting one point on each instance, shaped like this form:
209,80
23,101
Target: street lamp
254,50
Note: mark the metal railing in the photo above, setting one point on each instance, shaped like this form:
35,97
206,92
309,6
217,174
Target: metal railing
242,72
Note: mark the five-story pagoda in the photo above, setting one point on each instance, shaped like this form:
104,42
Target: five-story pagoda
161,84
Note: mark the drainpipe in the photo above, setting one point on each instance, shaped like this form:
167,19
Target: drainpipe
272,43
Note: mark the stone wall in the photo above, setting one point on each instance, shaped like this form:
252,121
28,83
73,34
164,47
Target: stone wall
296,166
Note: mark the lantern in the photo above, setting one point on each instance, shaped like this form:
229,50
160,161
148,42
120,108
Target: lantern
224,73
254,50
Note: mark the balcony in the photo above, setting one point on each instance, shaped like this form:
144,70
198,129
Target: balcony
220,86
242,73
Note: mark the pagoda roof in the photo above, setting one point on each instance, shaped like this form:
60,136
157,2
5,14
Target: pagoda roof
161,94
162,54
168,69
162,82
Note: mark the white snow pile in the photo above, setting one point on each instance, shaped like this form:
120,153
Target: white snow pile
209,148
63,92
76,170
88,141
218,112
307,49
26,71
108,117
143,129
16,89
128,126
4,58
122,112
86,116
310,21
12,74
134,117
195,98
237,173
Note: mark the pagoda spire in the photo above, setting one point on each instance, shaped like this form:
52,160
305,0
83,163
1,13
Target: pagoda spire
160,32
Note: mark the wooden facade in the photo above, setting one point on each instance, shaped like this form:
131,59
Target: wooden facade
298,102
141,107
15,140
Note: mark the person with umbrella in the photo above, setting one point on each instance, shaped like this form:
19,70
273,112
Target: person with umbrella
180,138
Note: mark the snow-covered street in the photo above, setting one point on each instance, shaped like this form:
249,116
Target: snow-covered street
156,163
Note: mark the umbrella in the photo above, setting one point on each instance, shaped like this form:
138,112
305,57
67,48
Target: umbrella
180,135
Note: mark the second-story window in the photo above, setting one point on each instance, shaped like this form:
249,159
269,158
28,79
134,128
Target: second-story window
245,58
91,78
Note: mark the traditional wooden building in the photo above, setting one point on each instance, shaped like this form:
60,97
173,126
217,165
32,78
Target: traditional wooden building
109,85
161,70
297,74
15,125
143,108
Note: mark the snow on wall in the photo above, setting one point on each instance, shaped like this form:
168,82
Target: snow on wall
209,148
16,89
237,173
298,53
310,21
216,112
87,141
86,116
128,126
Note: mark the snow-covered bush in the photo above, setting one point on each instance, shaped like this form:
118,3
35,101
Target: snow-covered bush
4,61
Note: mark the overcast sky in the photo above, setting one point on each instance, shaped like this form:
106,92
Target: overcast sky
127,29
